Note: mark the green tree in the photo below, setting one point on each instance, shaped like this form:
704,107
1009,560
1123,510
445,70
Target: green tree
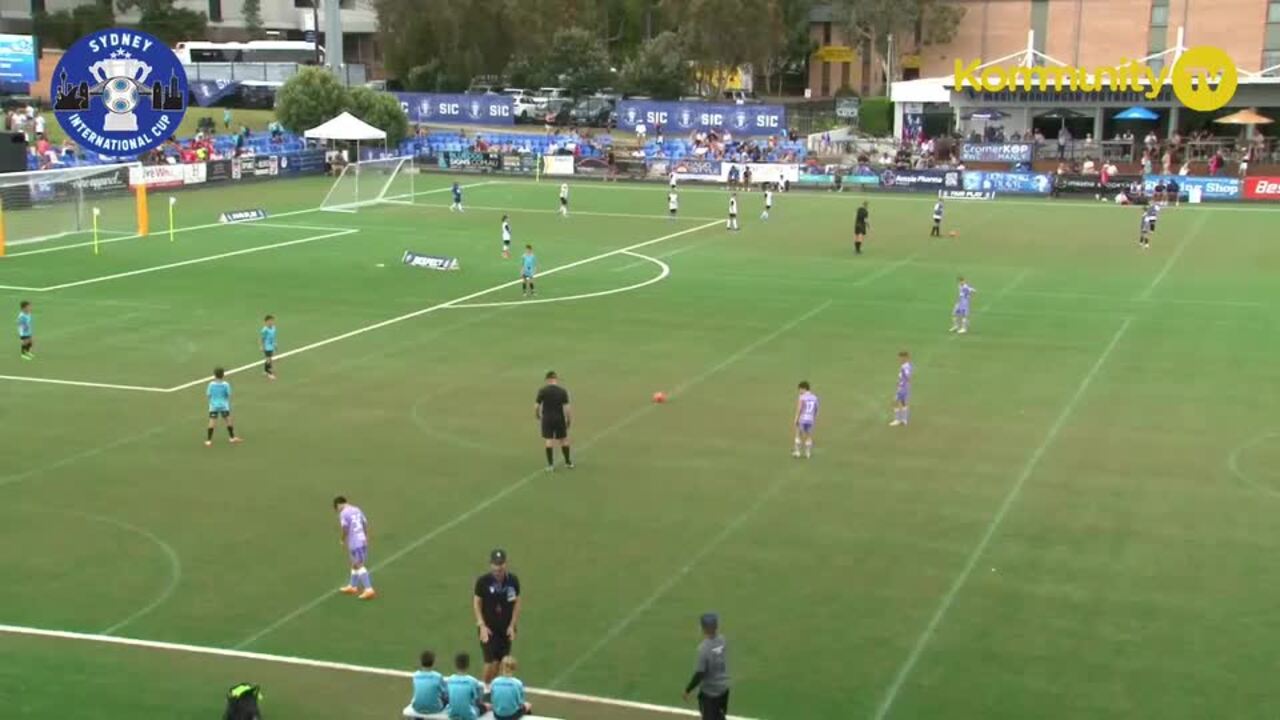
251,10
723,35
381,110
60,29
873,22
578,60
660,69
448,37
309,98
169,23
792,45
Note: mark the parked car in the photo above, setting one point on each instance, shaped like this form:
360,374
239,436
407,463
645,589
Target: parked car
523,106
482,89
595,112
546,97
739,97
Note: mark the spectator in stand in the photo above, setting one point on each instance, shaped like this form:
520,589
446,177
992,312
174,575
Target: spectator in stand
39,125
1166,162
1185,170
1064,137
1088,168
1215,163
1244,163
68,149
226,119
1146,163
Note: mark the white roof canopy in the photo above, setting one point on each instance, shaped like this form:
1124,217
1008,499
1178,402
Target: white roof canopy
346,127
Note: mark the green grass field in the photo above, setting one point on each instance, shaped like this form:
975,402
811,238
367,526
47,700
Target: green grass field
1078,523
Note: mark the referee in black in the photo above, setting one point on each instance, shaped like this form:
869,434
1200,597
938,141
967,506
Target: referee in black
496,605
860,228
551,408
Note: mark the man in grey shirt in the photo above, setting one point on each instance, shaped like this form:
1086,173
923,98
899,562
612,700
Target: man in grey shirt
711,675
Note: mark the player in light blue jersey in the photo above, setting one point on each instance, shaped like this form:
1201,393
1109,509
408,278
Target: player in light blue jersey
429,695
26,330
902,399
506,693
528,268
457,198
465,692
355,538
267,339
806,418
960,313
219,394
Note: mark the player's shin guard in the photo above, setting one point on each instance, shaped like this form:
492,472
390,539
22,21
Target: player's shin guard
568,457
209,435
551,457
231,431
857,247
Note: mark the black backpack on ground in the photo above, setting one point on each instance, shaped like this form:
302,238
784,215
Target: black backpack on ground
242,702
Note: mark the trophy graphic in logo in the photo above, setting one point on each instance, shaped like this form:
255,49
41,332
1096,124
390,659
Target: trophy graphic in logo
121,78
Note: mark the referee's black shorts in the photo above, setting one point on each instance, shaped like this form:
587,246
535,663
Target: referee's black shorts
554,428
498,647
859,229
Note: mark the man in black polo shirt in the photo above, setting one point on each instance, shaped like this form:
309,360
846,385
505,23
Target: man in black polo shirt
497,609
551,408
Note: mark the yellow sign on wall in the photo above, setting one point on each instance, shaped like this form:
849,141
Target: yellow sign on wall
835,54
911,61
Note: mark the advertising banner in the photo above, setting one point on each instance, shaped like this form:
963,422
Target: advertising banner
678,118
996,152
217,171
928,180
167,176
464,109
1262,188
557,164
1091,184
702,170
17,58
526,164
430,262
255,166
305,162
764,172
471,160
966,195
1009,183
1210,188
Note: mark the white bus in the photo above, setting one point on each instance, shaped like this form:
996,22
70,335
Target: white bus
254,51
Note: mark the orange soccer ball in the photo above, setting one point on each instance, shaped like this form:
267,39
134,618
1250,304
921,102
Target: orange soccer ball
659,397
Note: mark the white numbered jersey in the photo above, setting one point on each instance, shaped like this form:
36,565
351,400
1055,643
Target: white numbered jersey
673,201
733,206
564,192
506,231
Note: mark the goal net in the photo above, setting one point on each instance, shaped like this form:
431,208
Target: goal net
371,182
50,205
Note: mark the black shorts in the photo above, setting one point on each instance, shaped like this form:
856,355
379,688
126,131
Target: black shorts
554,429
498,647
268,354
859,229
564,202
713,707
219,414
24,338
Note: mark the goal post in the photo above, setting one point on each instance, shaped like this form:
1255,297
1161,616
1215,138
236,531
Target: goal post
372,182
47,205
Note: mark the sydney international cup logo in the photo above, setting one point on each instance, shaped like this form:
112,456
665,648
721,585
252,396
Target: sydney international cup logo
119,92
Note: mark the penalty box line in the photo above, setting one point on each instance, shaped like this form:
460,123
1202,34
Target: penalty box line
455,302
23,631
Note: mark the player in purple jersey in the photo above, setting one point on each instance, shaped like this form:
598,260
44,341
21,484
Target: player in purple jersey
960,315
806,417
355,537
901,410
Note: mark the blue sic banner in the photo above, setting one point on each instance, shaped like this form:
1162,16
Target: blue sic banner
464,109
683,117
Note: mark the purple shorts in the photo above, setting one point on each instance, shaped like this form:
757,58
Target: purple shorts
806,426
902,396
961,310
358,554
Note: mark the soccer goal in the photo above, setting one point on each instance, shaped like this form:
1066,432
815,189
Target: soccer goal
372,182
46,205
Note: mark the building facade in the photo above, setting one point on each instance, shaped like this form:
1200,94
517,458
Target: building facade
1087,33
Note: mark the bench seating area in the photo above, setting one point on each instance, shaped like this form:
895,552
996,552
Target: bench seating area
409,714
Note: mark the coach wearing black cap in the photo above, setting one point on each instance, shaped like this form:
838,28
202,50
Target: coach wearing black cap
711,674
497,609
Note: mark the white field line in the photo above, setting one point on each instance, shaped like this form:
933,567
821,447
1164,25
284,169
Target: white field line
1173,259
82,383
900,678
206,226
665,255
317,664
520,483
197,261
447,304
664,271
35,240
572,213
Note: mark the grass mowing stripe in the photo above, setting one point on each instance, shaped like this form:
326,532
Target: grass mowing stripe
1173,259
587,213
664,270
318,664
891,695
447,304
484,504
